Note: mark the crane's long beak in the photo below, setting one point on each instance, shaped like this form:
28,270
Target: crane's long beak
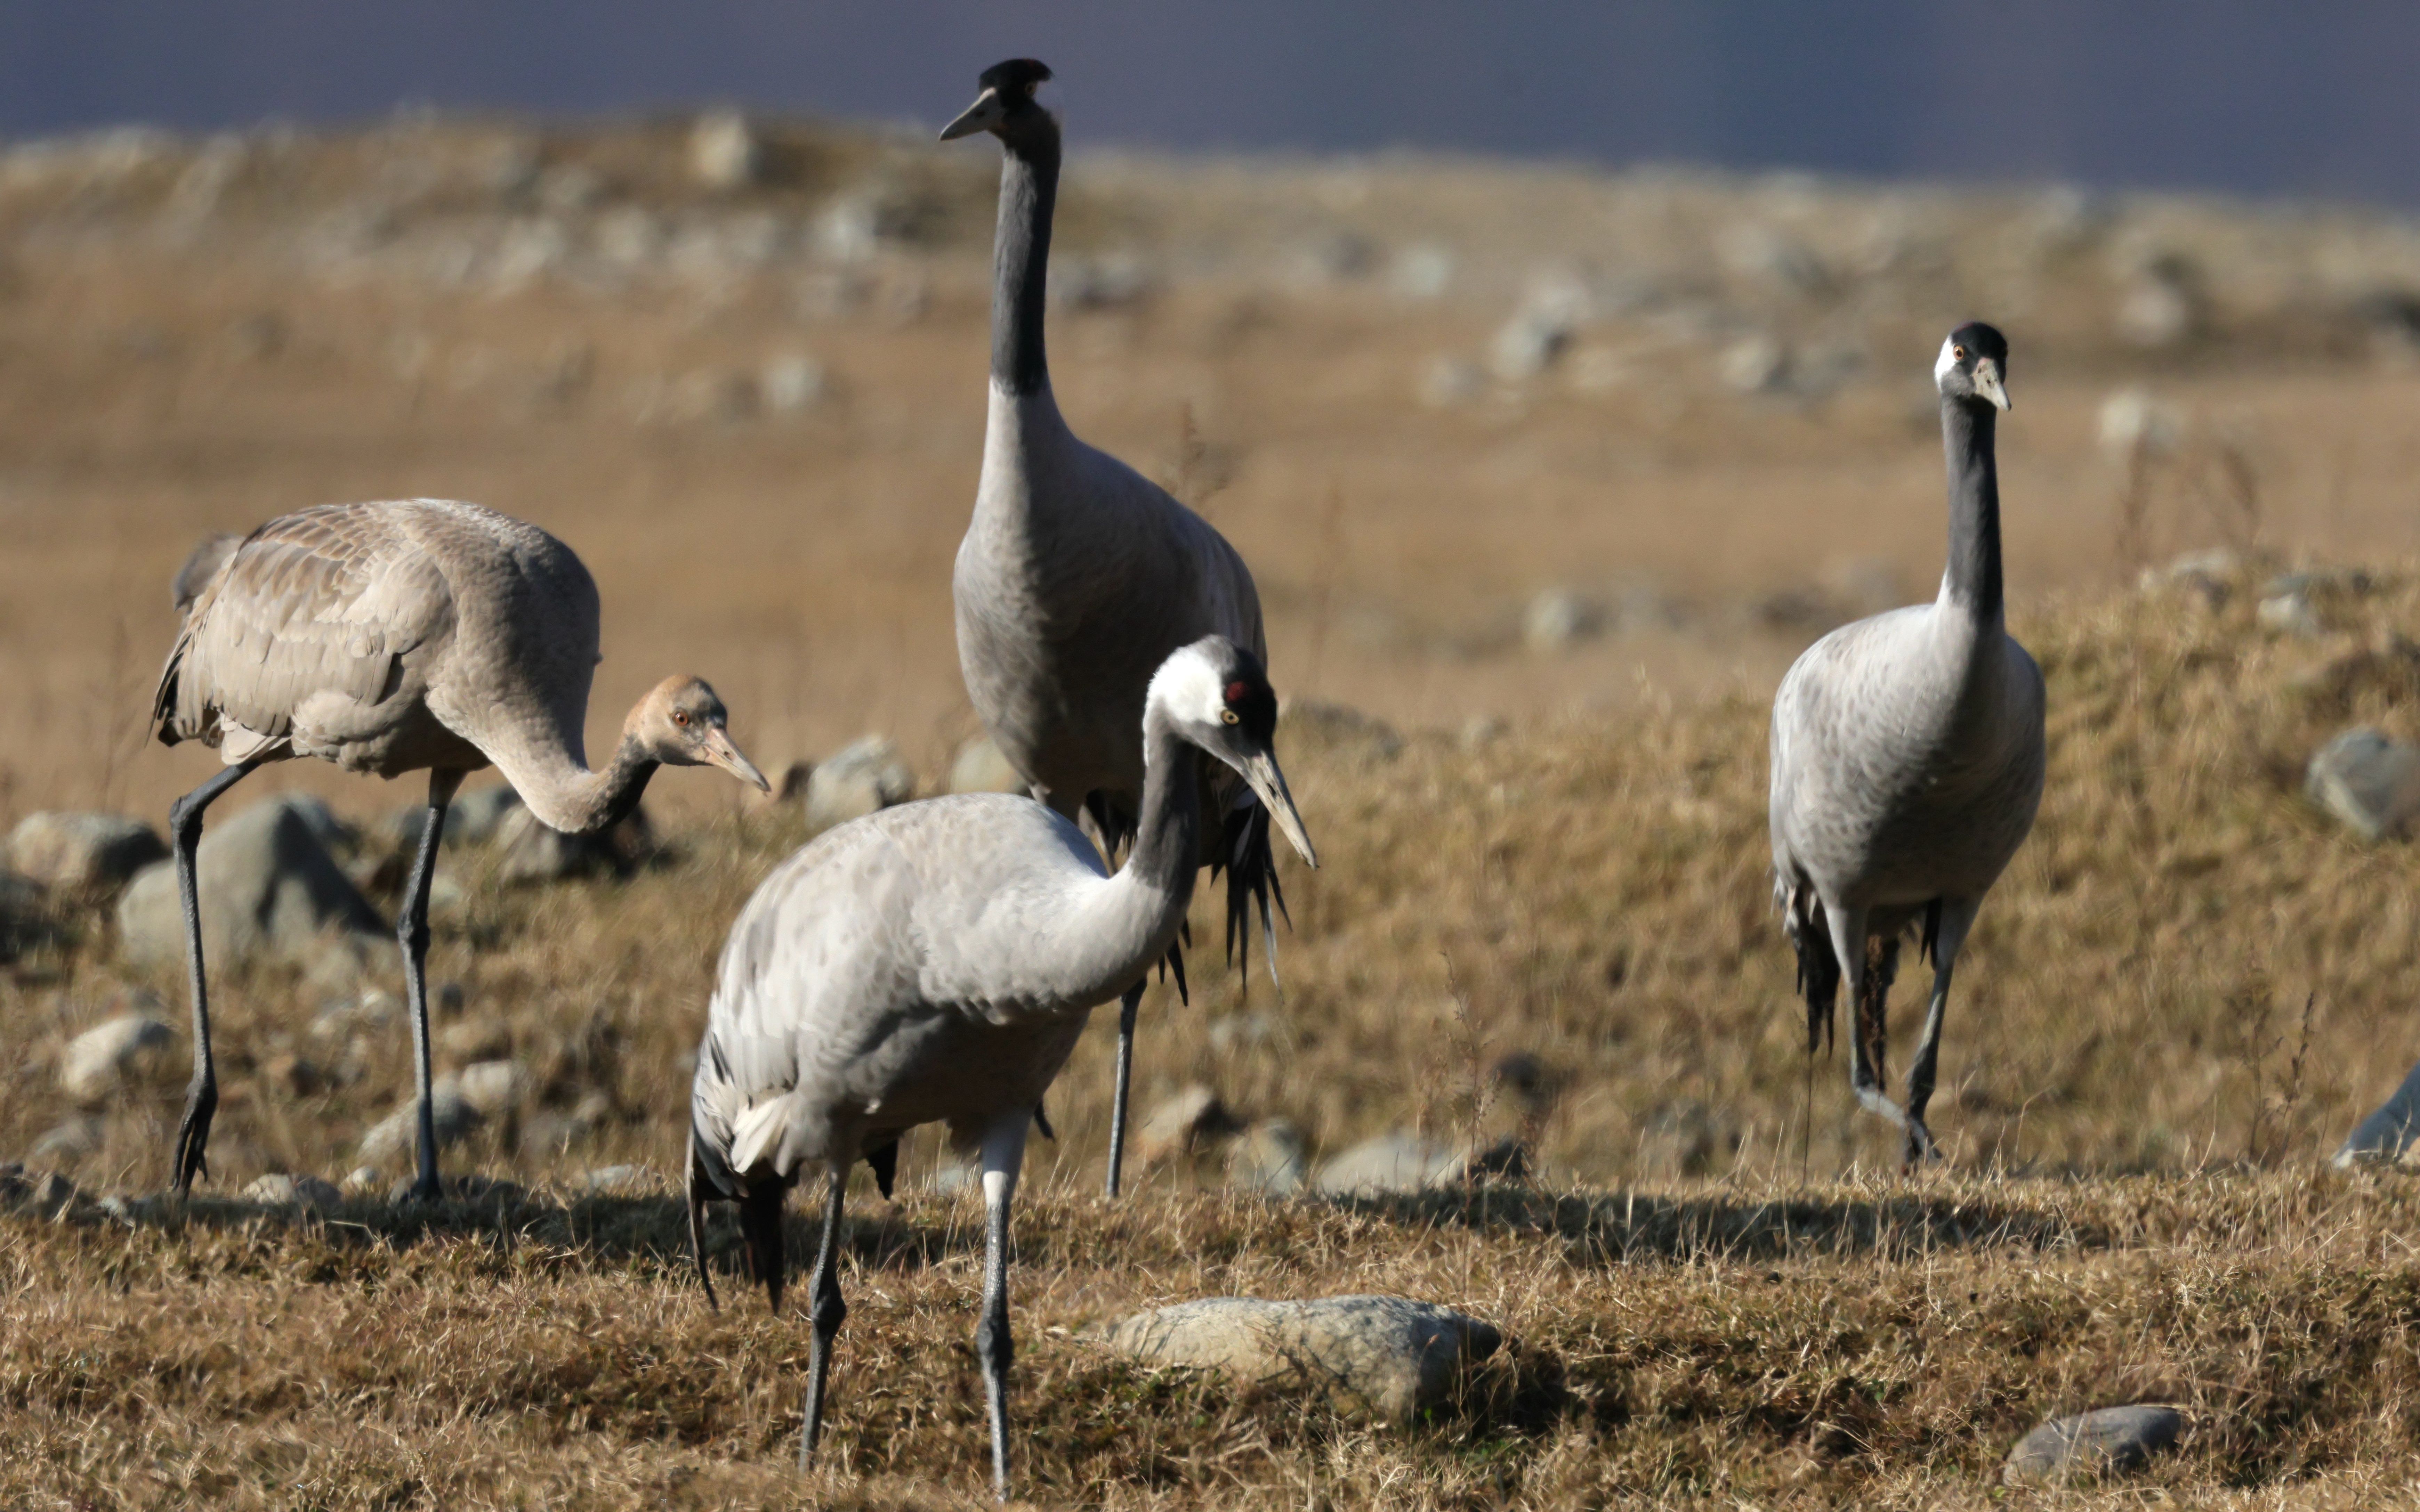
1987,384
720,751
982,116
1259,770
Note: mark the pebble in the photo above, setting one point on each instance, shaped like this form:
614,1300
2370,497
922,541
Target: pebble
1387,1359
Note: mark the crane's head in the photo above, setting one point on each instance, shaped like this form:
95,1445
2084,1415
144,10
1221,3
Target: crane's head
680,723
1974,366
1217,697
1006,102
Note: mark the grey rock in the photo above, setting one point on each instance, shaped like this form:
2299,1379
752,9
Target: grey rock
392,1138
528,852
1555,619
790,385
2291,613
620,1181
1754,364
1448,381
1409,1162
83,852
1183,1125
1422,272
269,887
2367,779
472,819
279,1191
724,151
2133,419
2387,1135
1387,1359
2112,1440
493,1088
1270,1158
71,1139
1107,283
128,1048
979,767
858,779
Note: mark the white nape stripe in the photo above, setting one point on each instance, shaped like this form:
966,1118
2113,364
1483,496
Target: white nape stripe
1948,359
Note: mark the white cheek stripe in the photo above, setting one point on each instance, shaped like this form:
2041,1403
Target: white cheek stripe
1942,365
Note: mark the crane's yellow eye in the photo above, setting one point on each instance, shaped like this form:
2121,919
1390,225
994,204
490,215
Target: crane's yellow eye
1958,352
1230,716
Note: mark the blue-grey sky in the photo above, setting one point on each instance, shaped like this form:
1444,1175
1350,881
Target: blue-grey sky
2268,96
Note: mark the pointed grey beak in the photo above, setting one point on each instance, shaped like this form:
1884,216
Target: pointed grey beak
720,751
1259,771
982,116
1987,383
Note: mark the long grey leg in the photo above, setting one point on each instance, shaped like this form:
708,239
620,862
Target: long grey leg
1003,1155
191,1155
1956,917
1849,944
1126,1007
825,1310
411,932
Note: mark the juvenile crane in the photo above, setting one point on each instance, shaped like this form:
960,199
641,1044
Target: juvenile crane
1078,576
394,637
936,962
1907,762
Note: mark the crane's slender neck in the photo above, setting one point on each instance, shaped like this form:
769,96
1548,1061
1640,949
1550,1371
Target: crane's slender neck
577,801
1029,190
1129,921
1972,579
1168,832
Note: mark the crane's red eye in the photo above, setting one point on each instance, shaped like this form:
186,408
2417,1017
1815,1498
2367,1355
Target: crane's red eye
680,717
1235,692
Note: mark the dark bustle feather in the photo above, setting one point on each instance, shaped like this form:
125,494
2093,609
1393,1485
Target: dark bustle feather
760,1225
699,1190
1251,873
884,1163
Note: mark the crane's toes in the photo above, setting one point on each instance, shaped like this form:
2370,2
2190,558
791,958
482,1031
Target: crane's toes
192,1155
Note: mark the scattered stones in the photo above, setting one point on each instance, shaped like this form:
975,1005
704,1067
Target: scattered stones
1182,1125
2291,612
529,852
280,1191
269,887
1410,1162
2111,1440
2367,781
1556,618
102,1058
393,1137
476,1039
1758,363
1387,1359
790,385
857,780
724,151
45,1191
979,767
493,1088
71,1139
472,819
83,852
618,1181
2386,1135
1271,1158
1421,272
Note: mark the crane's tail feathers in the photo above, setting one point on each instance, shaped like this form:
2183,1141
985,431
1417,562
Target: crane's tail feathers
760,1225
1928,945
1041,1121
1818,969
1873,998
1251,875
1174,962
1116,832
699,1191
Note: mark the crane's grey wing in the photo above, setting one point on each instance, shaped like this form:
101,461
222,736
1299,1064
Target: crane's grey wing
304,641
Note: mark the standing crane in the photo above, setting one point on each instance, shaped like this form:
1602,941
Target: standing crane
1078,576
934,962
401,637
1907,762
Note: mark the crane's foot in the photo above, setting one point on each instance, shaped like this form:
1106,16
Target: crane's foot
425,1189
1920,1150
191,1153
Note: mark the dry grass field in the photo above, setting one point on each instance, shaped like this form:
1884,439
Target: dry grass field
1717,1290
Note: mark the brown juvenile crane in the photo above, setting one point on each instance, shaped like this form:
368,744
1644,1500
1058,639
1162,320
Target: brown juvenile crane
422,635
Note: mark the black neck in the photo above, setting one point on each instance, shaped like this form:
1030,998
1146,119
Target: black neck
626,781
1168,834
1029,189
1966,435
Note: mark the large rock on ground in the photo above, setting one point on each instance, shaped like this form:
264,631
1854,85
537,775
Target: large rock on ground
1383,1358
281,1191
1409,1162
1183,1125
99,1060
980,768
269,888
2368,781
2386,1135
83,852
1270,1159
394,1139
2111,1440
856,781
472,819
529,852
